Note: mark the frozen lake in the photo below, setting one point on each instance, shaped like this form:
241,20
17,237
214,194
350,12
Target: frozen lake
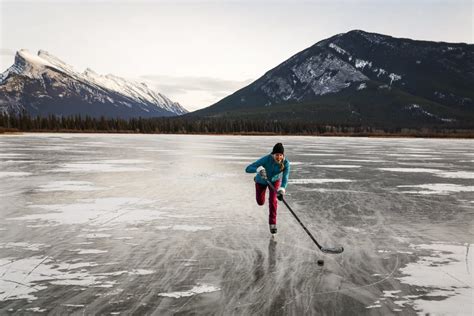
167,224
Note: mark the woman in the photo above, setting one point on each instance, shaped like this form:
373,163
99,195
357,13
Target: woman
275,168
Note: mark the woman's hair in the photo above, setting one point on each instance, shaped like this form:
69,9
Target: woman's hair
281,164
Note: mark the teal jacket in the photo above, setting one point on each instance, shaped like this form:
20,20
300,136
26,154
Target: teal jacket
272,168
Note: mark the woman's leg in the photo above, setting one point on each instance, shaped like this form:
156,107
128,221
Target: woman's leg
273,204
260,193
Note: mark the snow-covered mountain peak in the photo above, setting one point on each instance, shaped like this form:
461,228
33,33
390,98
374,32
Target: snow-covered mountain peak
89,72
28,65
25,57
52,79
55,61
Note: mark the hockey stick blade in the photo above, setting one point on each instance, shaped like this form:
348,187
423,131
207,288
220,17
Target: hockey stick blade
334,250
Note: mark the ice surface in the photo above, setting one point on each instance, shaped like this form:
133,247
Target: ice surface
186,235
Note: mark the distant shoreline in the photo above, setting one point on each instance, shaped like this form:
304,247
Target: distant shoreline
467,135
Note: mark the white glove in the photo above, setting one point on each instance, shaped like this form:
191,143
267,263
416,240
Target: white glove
261,171
281,191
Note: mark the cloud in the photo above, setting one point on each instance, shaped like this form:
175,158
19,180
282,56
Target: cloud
194,92
184,84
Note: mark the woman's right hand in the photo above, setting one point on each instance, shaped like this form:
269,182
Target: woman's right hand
262,172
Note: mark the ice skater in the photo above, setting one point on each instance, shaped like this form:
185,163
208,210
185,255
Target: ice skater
276,168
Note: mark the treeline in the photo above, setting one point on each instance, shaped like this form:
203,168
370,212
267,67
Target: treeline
193,125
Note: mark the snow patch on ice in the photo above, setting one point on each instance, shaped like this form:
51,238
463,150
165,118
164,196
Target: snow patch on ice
198,289
437,172
97,212
317,181
13,174
35,310
318,154
362,160
191,228
118,165
376,305
68,186
390,293
228,157
89,251
11,155
410,170
23,245
444,272
437,188
187,228
21,278
457,174
338,166
93,236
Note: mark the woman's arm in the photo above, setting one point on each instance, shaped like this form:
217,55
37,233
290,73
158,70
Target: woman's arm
252,168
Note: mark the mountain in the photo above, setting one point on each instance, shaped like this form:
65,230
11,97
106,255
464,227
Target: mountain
42,84
363,78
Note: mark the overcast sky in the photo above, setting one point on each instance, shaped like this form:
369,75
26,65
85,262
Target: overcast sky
197,52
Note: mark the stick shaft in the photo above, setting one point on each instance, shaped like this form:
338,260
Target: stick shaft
297,218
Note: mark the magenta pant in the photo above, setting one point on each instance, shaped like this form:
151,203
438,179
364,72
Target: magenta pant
260,190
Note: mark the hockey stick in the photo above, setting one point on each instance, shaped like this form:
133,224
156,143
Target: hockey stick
334,250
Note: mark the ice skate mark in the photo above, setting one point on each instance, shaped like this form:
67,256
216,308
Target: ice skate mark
467,258
348,289
18,283
453,277
27,275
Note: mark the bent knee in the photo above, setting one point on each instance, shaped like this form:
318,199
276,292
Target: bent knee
260,202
